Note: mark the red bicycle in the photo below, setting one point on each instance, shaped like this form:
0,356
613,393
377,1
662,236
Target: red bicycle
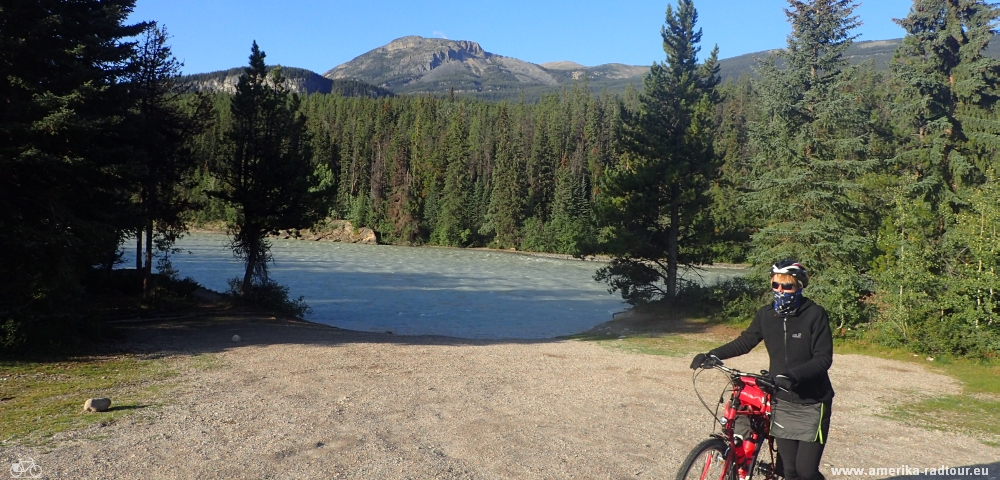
736,452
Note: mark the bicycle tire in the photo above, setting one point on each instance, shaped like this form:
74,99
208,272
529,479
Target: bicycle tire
709,460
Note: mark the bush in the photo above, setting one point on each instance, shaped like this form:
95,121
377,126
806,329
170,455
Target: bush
269,295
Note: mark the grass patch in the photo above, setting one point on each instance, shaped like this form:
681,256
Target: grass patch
977,377
954,413
973,411
669,345
39,399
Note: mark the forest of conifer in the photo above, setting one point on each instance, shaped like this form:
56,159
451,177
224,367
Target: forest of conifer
883,183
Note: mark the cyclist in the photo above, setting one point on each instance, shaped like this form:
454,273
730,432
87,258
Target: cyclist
796,332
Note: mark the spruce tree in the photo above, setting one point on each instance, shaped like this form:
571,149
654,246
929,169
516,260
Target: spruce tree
164,157
64,174
653,201
506,209
265,171
811,150
938,276
452,227
570,228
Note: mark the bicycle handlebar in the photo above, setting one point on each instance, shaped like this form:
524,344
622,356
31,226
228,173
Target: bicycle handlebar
761,377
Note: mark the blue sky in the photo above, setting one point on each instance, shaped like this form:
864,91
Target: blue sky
210,35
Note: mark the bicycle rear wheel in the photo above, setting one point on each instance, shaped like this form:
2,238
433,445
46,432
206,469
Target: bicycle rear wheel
709,460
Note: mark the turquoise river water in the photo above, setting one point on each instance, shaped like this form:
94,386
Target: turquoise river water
423,290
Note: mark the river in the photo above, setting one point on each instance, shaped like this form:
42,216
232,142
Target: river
423,290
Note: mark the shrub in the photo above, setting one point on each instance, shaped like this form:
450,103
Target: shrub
267,295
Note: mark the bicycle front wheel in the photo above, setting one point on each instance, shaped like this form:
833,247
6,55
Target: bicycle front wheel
710,460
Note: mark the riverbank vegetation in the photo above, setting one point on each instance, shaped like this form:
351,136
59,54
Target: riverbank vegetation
884,184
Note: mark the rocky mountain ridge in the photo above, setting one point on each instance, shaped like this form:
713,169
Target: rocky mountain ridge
438,66
297,80
415,64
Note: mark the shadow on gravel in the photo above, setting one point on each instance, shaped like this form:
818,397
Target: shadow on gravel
212,332
984,471
122,408
211,329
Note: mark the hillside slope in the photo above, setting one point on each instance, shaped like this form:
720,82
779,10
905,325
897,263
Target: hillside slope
298,80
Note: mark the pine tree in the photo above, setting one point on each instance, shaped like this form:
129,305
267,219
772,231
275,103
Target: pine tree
733,222
653,201
570,228
265,172
540,170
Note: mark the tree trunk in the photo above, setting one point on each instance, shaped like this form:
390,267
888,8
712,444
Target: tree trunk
251,264
138,252
147,272
672,235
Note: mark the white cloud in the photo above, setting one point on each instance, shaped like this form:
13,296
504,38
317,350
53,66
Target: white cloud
440,34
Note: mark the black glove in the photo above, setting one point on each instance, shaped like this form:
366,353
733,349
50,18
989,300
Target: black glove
785,382
705,360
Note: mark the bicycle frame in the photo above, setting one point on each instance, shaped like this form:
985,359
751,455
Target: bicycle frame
749,404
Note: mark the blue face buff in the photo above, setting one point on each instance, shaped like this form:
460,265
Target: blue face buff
785,303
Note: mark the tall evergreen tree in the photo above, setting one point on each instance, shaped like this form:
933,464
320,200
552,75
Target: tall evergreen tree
506,210
63,171
163,129
570,229
265,172
933,289
540,170
452,228
653,201
733,222
811,145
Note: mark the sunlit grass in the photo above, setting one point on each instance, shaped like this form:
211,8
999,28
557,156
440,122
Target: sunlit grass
670,345
976,410
38,400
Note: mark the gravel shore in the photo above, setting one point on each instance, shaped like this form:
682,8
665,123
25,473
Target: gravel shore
300,400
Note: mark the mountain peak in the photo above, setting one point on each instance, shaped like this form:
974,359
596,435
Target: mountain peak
563,65
417,42
418,64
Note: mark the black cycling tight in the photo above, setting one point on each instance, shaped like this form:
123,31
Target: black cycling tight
801,459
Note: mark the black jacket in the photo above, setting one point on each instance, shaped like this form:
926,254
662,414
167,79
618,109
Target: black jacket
800,347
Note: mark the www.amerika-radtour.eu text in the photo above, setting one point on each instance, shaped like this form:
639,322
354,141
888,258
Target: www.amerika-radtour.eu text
908,470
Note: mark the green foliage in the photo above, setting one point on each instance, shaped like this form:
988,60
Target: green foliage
936,275
268,295
570,230
64,167
507,201
265,167
452,224
163,126
883,183
812,150
653,201
734,223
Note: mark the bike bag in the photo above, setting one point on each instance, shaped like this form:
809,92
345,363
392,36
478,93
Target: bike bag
803,422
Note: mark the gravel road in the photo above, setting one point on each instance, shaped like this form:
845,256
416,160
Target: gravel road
300,400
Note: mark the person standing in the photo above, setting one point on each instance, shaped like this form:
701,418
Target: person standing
796,332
